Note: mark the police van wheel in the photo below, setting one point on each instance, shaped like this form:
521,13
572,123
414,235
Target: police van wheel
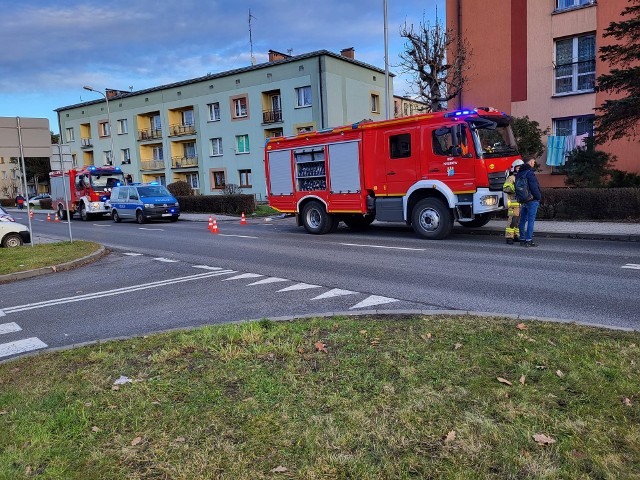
315,218
116,218
140,217
432,219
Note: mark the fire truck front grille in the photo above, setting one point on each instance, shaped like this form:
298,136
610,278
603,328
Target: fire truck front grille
496,181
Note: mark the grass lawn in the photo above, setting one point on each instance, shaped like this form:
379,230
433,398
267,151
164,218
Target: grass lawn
422,397
44,255
264,211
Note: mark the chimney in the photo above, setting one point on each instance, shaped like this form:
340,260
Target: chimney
275,56
348,52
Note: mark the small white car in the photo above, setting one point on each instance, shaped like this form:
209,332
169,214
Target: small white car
36,200
12,233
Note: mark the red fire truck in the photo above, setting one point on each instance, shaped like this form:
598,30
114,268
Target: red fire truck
426,170
87,189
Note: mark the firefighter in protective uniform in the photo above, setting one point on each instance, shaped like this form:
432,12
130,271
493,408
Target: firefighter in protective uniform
512,232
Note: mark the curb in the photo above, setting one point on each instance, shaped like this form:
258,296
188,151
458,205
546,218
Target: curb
539,234
92,257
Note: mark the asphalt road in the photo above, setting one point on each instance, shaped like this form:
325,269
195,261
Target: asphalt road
161,276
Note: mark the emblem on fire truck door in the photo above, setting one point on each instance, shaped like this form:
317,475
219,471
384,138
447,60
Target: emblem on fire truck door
450,171
491,166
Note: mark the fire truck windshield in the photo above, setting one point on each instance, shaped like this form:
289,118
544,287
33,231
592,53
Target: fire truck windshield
493,139
106,181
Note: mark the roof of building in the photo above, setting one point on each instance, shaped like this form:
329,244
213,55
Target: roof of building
213,76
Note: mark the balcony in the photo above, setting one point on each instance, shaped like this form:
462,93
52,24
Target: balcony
150,134
152,165
86,142
181,129
271,116
184,162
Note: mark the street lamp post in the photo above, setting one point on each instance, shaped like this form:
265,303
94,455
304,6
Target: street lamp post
106,99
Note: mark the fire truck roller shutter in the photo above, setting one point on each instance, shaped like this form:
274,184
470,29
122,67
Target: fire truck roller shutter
344,167
280,172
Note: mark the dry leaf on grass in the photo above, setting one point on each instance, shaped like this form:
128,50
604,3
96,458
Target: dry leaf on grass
451,436
115,387
542,439
523,379
559,373
521,326
426,337
180,439
504,380
363,332
95,429
457,346
300,350
320,347
3,412
136,441
280,469
626,401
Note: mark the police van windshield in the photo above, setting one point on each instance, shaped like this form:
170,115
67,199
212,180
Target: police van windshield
106,181
154,191
493,139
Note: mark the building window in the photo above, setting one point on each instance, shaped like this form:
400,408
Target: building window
303,96
575,68
70,135
104,129
218,179
565,4
242,143
123,127
240,107
125,156
582,125
306,128
106,157
192,180
187,118
216,147
245,178
375,103
214,112
157,153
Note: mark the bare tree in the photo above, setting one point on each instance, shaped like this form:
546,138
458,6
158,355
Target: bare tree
435,81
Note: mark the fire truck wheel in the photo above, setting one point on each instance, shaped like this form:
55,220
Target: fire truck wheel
140,217
358,222
480,221
315,218
116,218
84,216
12,240
432,219
62,213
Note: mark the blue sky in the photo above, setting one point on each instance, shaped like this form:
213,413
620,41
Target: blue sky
50,49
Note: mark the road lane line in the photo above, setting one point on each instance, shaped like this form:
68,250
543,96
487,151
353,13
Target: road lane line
166,260
21,346
298,286
373,300
634,266
116,291
9,327
335,292
382,246
132,254
239,236
243,275
206,267
269,280
152,229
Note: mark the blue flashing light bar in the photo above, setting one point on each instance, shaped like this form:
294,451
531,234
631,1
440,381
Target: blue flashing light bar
117,169
154,183
459,113
92,169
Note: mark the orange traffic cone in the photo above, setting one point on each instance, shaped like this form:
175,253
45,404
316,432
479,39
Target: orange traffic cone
210,223
48,217
55,217
214,226
243,221
31,214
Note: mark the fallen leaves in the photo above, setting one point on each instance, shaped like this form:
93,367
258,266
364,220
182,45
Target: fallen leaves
504,380
451,436
542,439
136,441
625,401
95,429
522,379
521,326
320,347
279,469
559,373
457,346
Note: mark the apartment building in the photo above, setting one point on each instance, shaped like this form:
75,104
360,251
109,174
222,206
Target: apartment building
539,58
210,131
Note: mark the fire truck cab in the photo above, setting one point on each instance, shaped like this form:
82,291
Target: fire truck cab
426,170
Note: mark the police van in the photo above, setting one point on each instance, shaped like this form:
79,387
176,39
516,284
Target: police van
142,202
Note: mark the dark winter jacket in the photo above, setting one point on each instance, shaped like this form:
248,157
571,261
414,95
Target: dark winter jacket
534,186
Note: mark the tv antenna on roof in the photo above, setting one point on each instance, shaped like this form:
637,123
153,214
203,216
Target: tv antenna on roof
253,60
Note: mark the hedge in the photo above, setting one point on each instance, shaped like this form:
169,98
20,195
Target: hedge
224,204
590,204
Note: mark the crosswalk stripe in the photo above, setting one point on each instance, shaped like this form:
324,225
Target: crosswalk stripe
298,286
9,327
373,300
166,260
21,346
335,292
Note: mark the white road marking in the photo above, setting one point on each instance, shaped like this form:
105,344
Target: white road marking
298,286
132,254
206,267
9,327
336,292
1,313
240,236
243,275
382,246
166,260
268,280
21,346
116,291
99,225
634,266
152,229
373,300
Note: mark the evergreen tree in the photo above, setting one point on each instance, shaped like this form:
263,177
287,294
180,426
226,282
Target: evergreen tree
587,167
528,136
620,117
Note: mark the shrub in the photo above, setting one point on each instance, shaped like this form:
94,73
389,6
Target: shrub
590,204
223,204
180,189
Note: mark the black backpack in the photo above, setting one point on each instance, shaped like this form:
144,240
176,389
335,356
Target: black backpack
523,194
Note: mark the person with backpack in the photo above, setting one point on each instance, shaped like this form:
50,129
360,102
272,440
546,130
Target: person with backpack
20,201
512,231
528,195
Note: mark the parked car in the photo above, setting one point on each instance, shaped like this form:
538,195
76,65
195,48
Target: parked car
143,202
36,200
12,233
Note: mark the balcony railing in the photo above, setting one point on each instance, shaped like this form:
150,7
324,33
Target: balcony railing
86,142
149,134
271,116
152,165
182,129
184,162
